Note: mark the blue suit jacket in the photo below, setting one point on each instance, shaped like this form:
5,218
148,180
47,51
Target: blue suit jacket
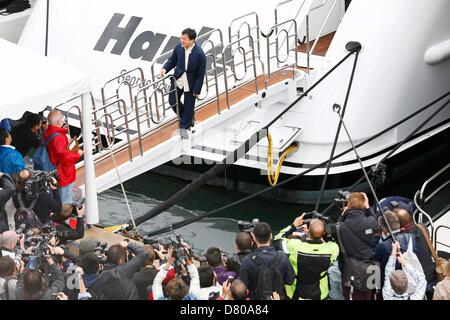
196,68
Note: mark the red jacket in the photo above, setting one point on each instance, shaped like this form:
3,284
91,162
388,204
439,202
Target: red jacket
61,158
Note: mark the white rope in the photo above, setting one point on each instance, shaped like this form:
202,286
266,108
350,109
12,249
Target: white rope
120,178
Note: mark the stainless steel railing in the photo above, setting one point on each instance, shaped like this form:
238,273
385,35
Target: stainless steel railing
155,97
289,41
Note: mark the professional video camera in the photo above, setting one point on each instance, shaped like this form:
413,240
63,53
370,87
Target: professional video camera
247,226
342,201
39,183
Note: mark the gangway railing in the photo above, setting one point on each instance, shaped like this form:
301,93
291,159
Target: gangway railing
421,198
155,97
291,51
438,242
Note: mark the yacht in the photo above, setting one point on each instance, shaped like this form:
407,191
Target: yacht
259,62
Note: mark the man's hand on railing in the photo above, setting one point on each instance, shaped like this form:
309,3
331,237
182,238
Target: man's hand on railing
162,73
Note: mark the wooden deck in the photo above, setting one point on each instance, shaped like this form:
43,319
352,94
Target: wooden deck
322,45
153,139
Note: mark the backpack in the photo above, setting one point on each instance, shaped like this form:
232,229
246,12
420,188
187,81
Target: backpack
355,272
26,215
268,279
4,287
41,159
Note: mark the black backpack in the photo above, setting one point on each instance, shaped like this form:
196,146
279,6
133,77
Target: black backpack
268,279
355,272
26,215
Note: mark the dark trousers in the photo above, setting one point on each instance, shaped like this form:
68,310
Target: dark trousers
186,108
357,295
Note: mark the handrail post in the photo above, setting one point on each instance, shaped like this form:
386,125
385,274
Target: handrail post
307,44
90,189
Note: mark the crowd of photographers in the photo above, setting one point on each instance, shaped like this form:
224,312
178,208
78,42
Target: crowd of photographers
364,255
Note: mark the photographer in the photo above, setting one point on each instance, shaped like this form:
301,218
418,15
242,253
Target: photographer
357,228
7,189
209,287
27,135
396,281
65,232
244,246
8,278
215,259
383,249
116,281
9,241
32,284
310,259
265,270
145,277
234,291
177,289
43,205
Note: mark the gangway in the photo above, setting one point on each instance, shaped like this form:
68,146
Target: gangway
255,74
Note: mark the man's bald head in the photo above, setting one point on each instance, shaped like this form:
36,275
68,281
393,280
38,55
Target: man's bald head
9,240
55,118
404,217
316,229
239,290
244,241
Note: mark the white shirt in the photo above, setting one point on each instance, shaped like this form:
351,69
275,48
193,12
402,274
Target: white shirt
183,81
9,146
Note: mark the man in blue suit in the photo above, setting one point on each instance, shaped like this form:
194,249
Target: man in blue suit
189,62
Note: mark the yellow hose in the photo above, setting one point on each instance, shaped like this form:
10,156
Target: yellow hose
273,178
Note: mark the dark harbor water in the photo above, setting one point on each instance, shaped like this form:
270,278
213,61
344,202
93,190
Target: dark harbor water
148,190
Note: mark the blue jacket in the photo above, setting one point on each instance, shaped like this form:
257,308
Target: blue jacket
11,161
196,67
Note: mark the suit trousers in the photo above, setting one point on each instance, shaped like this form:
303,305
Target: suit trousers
186,108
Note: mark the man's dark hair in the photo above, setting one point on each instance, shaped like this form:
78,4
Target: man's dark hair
214,257
90,263
151,255
32,120
3,136
33,285
239,290
176,289
206,274
244,241
115,253
7,266
392,219
192,35
262,232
